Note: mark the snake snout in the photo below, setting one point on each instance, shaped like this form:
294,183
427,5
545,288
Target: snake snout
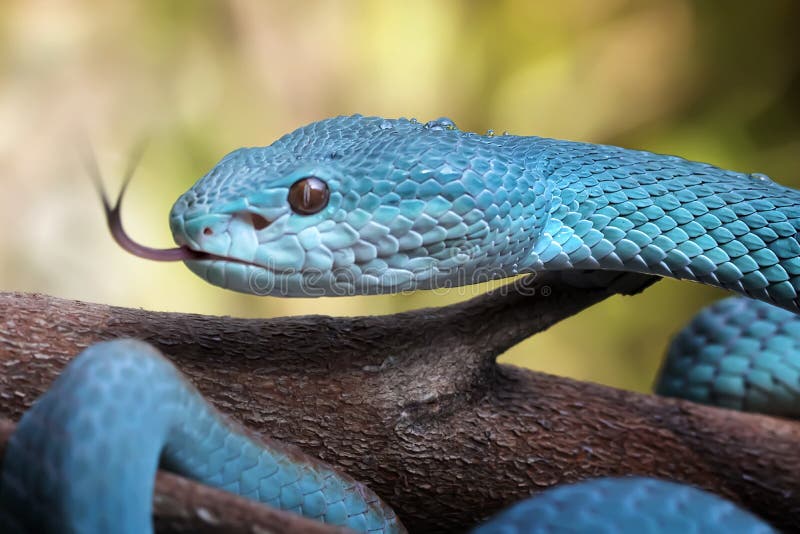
205,224
206,232
231,236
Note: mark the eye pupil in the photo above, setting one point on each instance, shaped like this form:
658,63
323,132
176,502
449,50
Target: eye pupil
308,195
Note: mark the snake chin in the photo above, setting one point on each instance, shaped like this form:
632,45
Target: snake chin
246,277
260,280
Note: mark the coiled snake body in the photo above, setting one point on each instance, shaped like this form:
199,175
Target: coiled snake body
356,205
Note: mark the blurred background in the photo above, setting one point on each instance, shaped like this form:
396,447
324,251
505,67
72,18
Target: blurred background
711,81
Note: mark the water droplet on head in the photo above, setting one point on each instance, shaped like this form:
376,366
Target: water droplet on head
490,133
506,132
445,123
386,125
760,176
414,121
442,123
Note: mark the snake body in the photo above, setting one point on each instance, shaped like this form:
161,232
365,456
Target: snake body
123,408
631,505
740,354
391,205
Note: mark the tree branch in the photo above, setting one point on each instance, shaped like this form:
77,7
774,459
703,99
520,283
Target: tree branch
414,405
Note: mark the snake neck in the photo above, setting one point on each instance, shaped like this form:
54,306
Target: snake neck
624,210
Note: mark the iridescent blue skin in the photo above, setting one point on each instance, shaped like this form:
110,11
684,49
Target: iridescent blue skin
416,206
740,354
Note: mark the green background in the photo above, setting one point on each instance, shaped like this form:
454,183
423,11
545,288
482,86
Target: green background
712,81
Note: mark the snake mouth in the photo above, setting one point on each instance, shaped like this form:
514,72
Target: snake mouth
179,253
114,222
121,237
207,257
183,252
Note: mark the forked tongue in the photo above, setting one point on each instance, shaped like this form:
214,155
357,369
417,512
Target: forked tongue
114,220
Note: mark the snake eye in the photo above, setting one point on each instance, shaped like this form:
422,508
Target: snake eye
308,195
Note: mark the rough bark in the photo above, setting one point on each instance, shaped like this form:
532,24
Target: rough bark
414,404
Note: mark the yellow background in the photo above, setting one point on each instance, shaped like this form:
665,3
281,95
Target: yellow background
712,81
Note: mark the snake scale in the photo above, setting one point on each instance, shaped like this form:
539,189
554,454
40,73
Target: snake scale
366,205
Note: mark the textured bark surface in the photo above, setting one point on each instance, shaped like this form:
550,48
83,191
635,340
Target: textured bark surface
414,404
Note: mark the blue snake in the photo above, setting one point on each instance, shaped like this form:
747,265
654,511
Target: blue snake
365,205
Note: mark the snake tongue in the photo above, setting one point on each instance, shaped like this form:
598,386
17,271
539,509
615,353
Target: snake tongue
114,220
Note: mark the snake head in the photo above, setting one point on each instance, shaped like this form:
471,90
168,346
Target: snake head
352,205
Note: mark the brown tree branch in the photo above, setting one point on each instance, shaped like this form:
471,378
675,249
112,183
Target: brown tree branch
414,405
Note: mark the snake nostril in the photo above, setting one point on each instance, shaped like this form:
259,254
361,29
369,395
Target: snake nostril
259,222
207,231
